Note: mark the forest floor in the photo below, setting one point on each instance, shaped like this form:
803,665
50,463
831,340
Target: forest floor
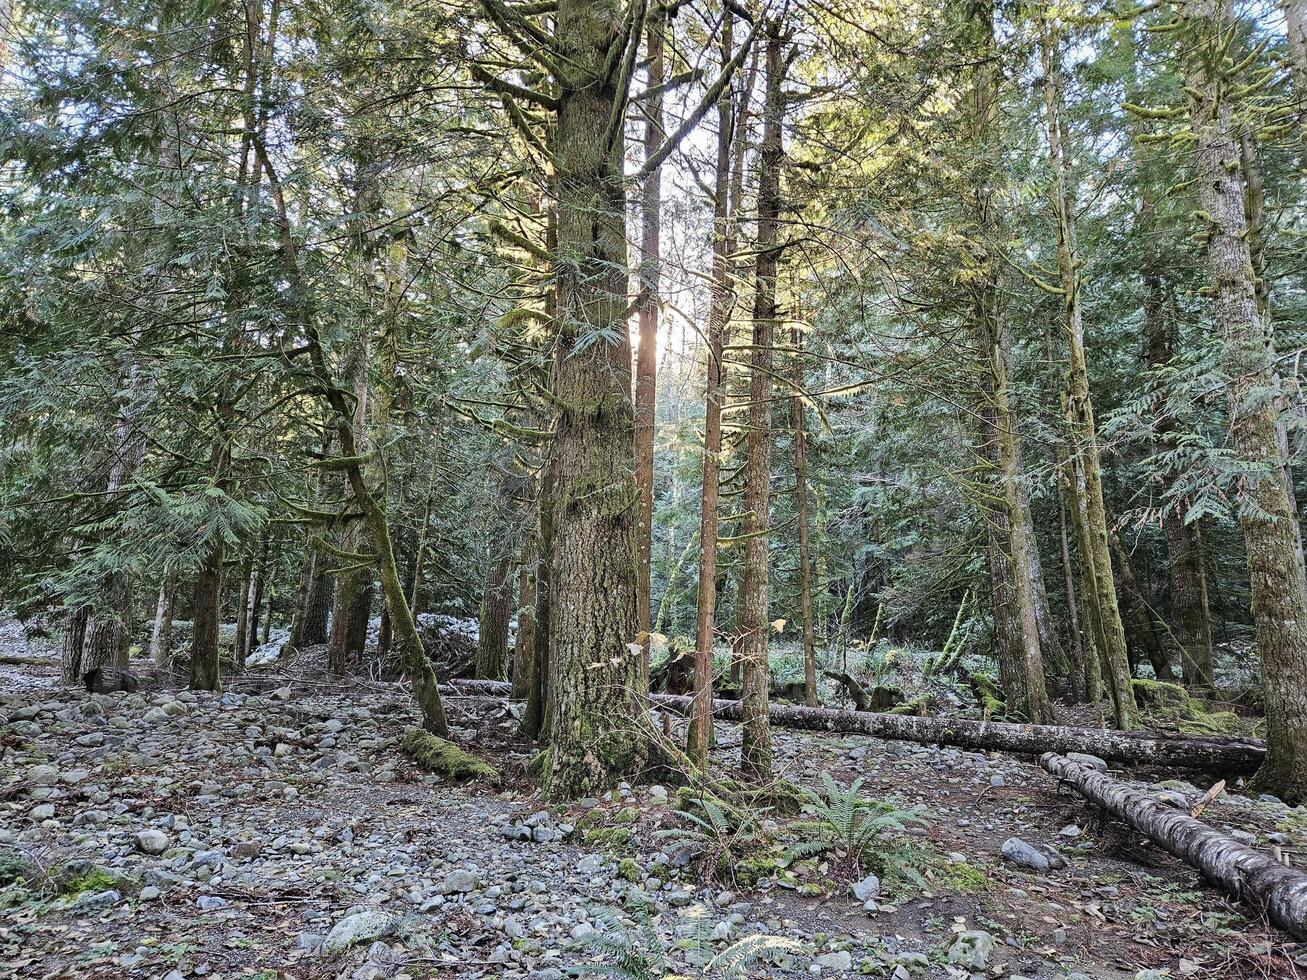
276,830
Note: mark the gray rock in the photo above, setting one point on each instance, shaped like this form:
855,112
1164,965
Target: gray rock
840,961
1042,858
149,893
361,927
154,716
43,775
210,903
458,880
972,950
99,900
866,889
152,841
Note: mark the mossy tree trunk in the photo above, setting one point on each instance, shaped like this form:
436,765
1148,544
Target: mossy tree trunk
1079,403
496,610
1274,561
597,726
374,517
755,623
1021,665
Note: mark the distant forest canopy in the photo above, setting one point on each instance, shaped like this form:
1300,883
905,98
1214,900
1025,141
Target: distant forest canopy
655,328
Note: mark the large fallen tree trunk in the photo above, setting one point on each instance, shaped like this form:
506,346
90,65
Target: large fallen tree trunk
1209,753
1246,873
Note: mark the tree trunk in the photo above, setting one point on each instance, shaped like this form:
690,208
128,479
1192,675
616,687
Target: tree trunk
161,638
496,610
1227,756
699,734
73,644
317,619
204,634
1186,578
536,715
597,728
646,361
1141,617
1076,686
1021,666
1295,24
1274,889
256,601
524,646
801,516
1079,404
375,520
755,623
110,638
343,650
1189,599
243,614
1274,562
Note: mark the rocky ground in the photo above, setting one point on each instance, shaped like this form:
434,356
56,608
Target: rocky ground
276,830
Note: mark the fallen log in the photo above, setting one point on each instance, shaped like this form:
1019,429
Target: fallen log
1218,754
1280,892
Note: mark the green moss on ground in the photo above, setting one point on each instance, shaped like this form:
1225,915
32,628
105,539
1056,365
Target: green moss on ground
439,755
609,838
1167,705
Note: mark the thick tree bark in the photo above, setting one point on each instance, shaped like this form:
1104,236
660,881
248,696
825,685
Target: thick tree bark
72,645
723,300
1274,561
1295,23
1274,889
646,358
344,648
321,598
496,610
801,516
1224,755
204,620
1021,665
598,731
755,623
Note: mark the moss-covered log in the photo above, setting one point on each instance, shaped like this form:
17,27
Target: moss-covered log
1226,755
1278,891
438,755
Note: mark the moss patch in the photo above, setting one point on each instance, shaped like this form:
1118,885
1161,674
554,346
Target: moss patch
609,838
1167,705
438,755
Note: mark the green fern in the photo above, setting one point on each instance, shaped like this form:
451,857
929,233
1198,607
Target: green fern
735,959
849,823
718,834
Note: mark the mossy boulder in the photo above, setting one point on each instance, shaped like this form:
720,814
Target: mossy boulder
438,755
